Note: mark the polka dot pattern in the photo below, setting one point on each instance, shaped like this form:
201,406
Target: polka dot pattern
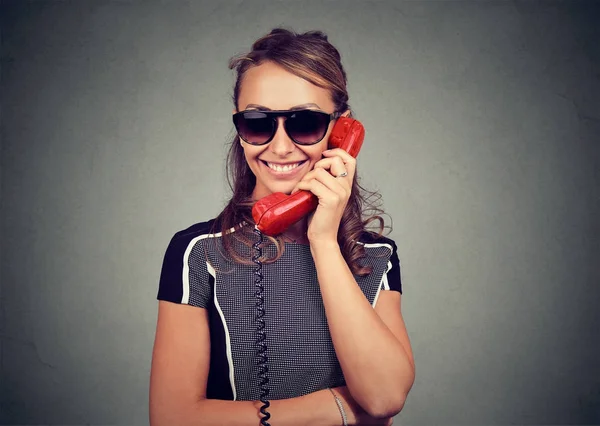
301,355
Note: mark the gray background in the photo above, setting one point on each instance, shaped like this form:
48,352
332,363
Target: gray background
482,126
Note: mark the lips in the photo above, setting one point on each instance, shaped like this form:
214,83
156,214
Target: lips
285,173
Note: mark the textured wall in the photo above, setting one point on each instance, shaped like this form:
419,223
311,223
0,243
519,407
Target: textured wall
482,126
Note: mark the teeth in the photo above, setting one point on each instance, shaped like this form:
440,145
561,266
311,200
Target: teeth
285,168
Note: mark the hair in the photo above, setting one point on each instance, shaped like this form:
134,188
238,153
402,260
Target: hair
310,56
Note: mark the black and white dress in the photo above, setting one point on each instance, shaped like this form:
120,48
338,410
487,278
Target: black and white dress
301,356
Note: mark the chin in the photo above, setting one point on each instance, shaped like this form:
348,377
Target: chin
286,191
266,191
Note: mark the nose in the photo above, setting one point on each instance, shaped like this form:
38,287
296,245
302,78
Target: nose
281,144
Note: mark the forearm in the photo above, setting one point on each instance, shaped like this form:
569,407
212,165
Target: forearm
376,366
315,408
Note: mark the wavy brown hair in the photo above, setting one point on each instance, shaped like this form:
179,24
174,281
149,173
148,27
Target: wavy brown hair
311,57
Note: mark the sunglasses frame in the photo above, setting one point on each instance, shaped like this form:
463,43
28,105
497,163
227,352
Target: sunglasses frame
274,114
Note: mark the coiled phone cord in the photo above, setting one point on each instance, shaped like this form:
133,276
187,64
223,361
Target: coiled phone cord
260,342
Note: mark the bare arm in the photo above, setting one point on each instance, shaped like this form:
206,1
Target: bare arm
378,366
317,408
180,363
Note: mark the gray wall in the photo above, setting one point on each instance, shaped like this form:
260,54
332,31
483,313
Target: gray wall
482,126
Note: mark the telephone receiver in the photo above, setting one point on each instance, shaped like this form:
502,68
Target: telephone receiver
275,213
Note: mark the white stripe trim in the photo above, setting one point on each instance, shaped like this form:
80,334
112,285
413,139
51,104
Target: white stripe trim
384,281
186,298
386,285
376,296
185,274
379,245
226,329
383,285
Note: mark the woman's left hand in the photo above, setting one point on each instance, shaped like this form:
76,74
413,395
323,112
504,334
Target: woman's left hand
333,193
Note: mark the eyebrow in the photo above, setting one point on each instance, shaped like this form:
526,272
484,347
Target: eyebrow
303,106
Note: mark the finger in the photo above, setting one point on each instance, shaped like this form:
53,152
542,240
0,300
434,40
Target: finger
318,174
348,160
339,185
335,165
336,185
318,188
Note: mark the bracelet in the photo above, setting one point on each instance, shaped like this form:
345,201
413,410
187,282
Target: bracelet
341,407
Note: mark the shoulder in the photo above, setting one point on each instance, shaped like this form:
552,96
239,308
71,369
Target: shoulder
184,240
374,241
198,229
383,250
183,278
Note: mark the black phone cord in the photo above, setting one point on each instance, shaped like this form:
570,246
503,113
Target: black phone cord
260,330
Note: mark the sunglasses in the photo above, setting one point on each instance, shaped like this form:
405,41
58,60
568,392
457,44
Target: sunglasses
303,126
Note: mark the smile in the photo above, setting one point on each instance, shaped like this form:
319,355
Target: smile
281,170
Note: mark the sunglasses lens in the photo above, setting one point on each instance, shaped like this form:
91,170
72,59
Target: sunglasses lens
254,127
307,127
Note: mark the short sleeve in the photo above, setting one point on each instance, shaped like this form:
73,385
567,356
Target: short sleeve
184,276
391,279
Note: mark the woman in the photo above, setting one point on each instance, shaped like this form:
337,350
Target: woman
336,345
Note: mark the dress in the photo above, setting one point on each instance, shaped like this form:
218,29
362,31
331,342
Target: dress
301,356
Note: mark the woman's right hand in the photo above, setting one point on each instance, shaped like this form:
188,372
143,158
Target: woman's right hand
355,413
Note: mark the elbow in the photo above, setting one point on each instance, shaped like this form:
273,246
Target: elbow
390,403
389,399
385,408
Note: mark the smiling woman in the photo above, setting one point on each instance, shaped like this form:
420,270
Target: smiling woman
333,345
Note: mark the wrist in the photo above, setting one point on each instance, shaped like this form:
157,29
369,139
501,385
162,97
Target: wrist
341,408
348,403
324,408
351,407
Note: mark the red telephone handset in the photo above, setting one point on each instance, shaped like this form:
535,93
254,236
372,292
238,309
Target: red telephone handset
274,213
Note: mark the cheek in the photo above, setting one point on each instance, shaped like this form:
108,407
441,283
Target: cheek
315,158
250,155
249,161
323,145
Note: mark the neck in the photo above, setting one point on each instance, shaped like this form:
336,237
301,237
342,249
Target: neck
297,231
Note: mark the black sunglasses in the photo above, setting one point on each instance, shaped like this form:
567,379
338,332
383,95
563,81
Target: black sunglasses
303,126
